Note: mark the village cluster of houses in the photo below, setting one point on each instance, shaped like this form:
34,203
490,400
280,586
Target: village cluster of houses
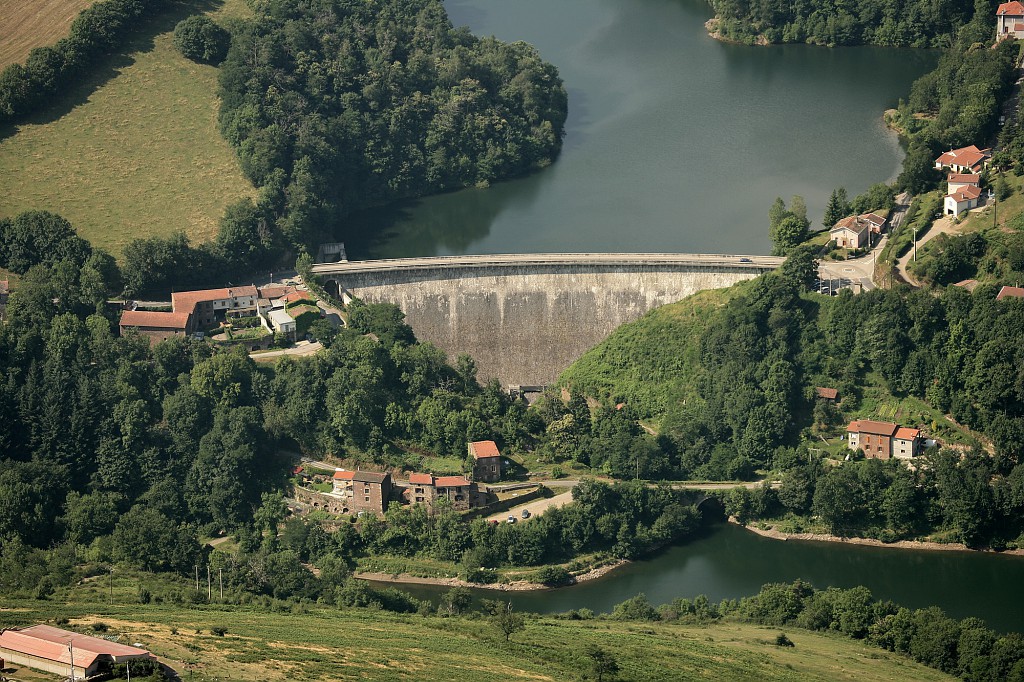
371,492
963,183
194,312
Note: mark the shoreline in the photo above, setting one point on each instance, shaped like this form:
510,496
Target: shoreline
515,586
711,26
773,534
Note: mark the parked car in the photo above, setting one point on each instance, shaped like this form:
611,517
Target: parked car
526,513
746,260
510,519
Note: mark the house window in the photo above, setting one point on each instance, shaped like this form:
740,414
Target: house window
366,491
419,499
366,499
419,490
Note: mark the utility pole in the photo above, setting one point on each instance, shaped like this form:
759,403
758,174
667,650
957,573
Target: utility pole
209,585
220,572
110,585
71,653
197,578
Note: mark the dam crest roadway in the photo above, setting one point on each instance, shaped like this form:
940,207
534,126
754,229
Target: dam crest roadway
524,318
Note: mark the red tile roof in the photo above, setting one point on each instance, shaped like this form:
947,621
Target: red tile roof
854,223
298,296
151,318
969,284
274,291
827,393
452,481
421,479
1015,9
872,427
970,157
965,178
343,475
1010,292
903,433
186,301
51,643
483,449
966,193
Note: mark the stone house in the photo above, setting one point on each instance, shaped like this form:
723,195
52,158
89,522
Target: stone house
1010,20
456,489
854,232
421,489
363,491
486,460
883,440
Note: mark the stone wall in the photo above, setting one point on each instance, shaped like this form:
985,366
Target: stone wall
525,324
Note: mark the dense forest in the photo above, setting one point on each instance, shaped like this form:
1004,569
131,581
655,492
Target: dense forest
341,105
897,23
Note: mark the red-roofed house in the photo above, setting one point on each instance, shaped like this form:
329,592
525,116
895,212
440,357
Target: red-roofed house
964,160
1010,20
156,325
52,650
1010,292
957,181
192,311
963,199
883,440
486,460
457,490
906,443
851,232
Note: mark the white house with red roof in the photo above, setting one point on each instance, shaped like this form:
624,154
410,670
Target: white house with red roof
957,181
1010,20
964,160
906,443
855,231
961,200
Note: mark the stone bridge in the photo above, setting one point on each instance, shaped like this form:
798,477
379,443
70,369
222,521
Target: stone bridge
526,317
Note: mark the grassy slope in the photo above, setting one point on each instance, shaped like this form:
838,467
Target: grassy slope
134,151
25,24
646,363
328,644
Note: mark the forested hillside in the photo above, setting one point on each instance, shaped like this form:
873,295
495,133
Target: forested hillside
342,105
913,23
739,394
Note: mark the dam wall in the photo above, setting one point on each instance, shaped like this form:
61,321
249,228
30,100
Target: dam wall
522,318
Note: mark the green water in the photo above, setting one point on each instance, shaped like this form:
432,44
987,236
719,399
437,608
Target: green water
675,141
730,562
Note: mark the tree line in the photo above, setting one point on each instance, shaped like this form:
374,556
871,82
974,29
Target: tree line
98,30
892,23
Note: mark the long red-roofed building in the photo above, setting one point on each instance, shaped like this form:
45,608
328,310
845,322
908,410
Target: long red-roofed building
1010,292
191,311
52,650
964,160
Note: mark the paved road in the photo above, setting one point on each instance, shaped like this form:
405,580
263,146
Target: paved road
838,275
523,259
536,508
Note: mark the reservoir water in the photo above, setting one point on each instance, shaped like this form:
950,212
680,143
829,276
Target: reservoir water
675,142
728,562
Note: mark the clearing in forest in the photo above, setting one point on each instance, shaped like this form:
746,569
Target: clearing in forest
133,150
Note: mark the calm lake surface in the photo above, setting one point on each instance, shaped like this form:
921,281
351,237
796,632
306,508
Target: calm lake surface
675,142
729,562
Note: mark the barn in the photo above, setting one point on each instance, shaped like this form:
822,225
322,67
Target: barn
57,651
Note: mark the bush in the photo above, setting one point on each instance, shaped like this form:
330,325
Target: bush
99,627
200,39
782,640
219,631
554,576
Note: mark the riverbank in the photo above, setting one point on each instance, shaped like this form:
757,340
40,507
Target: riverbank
711,25
514,586
870,542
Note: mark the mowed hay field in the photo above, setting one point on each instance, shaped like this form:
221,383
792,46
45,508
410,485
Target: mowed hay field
134,150
348,644
25,24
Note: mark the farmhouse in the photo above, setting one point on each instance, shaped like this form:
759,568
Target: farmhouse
486,460
64,653
853,232
964,160
363,491
883,440
191,312
1010,20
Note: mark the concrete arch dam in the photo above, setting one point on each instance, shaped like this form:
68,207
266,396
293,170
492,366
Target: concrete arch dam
526,317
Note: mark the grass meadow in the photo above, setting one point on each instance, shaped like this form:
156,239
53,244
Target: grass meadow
133,150
25,24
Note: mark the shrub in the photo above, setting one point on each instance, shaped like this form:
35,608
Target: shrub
99,627
782,640
554,576
200,39
219,631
